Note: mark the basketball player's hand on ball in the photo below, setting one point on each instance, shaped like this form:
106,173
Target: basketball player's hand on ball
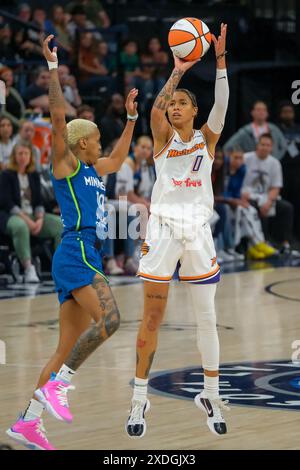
183,65
131,105
220,43
49,56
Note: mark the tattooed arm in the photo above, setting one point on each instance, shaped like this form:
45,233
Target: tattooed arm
160,126
63,160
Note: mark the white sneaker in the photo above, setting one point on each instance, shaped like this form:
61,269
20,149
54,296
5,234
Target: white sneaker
213,410
237,256
30,275
112,268
136,425
225,257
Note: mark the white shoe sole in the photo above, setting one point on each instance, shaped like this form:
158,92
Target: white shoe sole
148,406
41,397
208,422
16,436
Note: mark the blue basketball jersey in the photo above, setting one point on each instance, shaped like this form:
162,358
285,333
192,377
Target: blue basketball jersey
81,198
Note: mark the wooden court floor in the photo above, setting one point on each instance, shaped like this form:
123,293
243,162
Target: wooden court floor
254,326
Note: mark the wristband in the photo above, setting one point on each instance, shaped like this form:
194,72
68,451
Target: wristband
52,65
132,118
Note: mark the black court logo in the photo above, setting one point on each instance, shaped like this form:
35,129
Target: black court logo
271,384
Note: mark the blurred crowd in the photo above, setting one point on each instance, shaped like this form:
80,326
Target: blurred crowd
255,176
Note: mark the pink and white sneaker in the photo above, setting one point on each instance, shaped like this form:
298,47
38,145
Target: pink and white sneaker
53,395
31,434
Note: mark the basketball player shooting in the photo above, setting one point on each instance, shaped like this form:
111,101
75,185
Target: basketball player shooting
178,231
88,311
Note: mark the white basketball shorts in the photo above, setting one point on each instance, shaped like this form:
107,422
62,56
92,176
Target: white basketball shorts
162,251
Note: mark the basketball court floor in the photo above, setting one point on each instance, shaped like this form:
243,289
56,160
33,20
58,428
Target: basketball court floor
258,310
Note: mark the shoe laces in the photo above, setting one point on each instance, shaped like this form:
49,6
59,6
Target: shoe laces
219,406
61,393
40,429
137,412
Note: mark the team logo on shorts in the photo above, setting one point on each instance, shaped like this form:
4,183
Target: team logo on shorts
144,249
270,384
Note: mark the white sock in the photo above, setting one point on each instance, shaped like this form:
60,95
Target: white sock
34,410
65,374
211,387
140,389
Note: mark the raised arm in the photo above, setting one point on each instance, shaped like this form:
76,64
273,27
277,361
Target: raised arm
215,123
114,162
160,126
63,160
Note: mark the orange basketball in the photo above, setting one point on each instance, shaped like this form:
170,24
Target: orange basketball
189,38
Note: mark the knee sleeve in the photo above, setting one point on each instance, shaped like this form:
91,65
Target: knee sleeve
207,336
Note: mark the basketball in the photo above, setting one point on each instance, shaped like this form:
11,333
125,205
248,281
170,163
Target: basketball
189,39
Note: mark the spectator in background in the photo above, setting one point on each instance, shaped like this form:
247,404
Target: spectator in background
80,23
20,34
69,86
262,185
159,56
291,160
128,180
143,172
92,74
149,85
36,94
22,213
86,112
28,39
94,12
14,108
222,232
60,21
245,218
113,121
105,59
8,50
24,13
6,141
26,135
40,20
247,137
129,57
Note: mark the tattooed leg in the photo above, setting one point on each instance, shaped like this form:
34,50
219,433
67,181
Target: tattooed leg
155,300
98,300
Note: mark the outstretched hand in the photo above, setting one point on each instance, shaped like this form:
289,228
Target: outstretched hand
131,105
220,43
49,56
183,65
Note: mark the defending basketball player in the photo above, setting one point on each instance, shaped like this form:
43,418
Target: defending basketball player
178,231
88,311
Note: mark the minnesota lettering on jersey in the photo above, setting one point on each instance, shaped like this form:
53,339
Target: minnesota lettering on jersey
180,153
93,181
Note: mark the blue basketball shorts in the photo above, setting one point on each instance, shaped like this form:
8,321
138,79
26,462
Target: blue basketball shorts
75,263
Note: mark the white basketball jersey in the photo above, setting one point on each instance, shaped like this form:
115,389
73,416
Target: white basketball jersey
182,193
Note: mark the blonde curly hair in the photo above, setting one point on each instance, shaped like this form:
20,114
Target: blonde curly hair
79,128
